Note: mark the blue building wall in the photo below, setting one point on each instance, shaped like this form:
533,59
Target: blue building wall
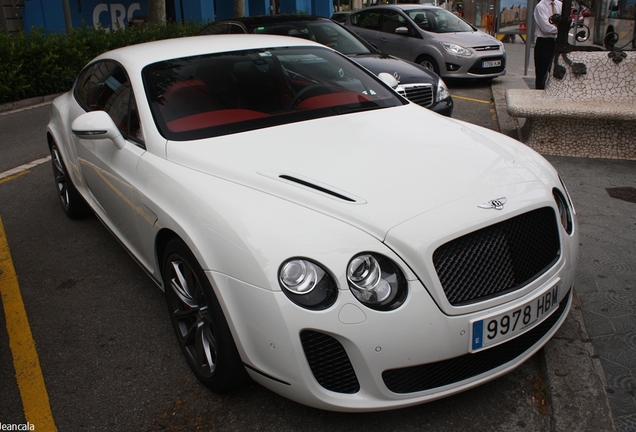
114,14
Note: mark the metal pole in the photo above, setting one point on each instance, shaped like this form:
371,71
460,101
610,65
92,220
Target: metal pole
529,34
564,27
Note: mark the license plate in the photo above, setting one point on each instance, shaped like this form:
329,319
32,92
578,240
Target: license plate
507,325
492,63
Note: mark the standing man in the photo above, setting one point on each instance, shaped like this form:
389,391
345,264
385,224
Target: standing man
546,39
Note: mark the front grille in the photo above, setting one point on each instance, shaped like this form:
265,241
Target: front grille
487,48
445,372
498,259
478,69
421,94
329,362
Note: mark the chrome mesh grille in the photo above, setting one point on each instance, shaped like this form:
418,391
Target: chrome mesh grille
421,94
498,259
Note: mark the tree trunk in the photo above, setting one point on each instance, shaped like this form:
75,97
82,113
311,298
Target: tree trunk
157,11
239,8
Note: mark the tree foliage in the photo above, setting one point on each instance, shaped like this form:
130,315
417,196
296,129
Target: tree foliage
42,64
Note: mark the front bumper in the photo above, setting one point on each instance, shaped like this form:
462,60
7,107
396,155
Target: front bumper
349,358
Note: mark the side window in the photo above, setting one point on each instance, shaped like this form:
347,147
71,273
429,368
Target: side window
368,19
422,20
104,86
392,20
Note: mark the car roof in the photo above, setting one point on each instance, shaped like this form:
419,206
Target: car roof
268,19
404,7
140,55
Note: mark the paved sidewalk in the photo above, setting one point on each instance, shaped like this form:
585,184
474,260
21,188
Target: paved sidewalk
591,363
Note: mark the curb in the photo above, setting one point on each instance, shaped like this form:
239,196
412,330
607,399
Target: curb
27,103
575,381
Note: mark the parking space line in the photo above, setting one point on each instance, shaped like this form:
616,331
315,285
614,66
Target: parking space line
471,99
13,172
35,398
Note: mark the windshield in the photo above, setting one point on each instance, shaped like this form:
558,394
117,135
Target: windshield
439,21
220,94
322,31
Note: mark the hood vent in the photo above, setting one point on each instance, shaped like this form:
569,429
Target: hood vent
313,185
316,187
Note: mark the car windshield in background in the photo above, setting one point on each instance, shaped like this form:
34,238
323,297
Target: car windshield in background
220,94
439,21
323,32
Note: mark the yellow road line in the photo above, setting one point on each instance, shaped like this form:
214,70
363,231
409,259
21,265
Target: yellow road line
471,99
6,179
35,398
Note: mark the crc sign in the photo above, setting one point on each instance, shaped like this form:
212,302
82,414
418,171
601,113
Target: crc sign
111,16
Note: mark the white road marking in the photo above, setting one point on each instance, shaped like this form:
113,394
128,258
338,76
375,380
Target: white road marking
25,167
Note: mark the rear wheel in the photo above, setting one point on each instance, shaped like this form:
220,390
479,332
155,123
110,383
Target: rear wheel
429,63
72,202
198,321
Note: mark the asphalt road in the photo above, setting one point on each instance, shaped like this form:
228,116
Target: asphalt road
105,345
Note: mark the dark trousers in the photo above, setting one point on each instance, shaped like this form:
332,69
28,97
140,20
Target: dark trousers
543,54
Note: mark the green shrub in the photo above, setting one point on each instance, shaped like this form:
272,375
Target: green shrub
42,64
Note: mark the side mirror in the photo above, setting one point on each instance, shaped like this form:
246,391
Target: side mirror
388,79
96,125
402,31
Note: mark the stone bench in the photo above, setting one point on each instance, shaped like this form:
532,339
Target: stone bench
590,115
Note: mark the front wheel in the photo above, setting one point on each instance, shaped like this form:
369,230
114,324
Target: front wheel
72,202
198,321
429,63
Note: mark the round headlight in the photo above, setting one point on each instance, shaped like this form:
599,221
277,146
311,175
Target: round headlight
376,281
307,284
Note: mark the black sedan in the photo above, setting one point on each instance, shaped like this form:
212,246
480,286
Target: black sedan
416,83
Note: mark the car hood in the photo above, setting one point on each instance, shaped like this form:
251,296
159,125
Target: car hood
468,39
362,168
407,72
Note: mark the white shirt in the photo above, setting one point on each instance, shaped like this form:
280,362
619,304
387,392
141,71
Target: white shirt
542,13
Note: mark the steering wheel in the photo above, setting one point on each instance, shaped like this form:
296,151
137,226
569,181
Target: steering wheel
307,92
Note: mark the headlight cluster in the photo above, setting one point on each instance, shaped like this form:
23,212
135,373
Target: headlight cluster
565,210
307,284
376,281
442,90
457,50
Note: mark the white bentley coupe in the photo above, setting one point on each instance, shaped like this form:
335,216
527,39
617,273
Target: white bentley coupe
313,230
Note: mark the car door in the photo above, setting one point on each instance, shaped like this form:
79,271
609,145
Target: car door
366,24
109,171
390,42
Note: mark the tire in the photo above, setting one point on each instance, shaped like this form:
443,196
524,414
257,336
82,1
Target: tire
198,321
72,202
429,63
